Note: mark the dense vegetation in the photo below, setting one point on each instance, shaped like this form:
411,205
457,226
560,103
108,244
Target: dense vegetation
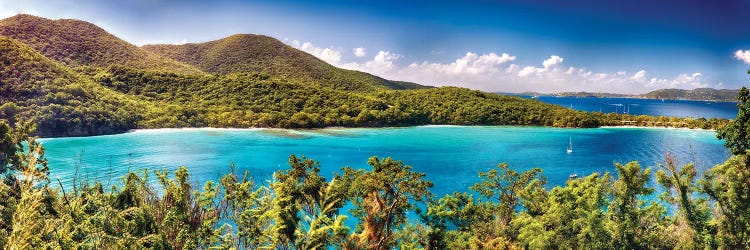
268,56
75,79
62,102
300,209
77,43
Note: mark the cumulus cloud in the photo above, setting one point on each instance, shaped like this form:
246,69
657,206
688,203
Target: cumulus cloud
743,55
499,72
330,55
552,61
639,76
469,64
359,52
549,65
384,63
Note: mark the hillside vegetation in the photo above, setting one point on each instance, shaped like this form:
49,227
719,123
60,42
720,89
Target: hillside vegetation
268,56
62,102
76,79
77,43
387,205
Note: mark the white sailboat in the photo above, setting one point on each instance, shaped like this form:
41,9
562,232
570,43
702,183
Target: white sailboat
570,146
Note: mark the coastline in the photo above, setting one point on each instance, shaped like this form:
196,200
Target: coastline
302,130
659,127
148,130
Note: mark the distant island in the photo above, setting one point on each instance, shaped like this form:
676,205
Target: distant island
699,94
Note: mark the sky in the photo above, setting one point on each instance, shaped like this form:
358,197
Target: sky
548,46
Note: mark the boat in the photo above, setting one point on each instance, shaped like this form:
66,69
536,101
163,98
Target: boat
572,176
570,146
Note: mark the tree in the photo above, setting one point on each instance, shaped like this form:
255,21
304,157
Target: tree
635,223
727,186
736,134
381,198
681,191
574,217
509,189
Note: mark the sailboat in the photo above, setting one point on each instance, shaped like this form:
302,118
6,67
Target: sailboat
570,146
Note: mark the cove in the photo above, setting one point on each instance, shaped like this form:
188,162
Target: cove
450,156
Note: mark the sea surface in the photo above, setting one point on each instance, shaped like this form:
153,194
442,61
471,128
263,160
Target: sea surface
451,156
655,107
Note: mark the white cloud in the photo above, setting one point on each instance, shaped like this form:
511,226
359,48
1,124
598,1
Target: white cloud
548,64
639,76
382,64
552,61
469,64
495,72
359,52
495,75
743,55
330,55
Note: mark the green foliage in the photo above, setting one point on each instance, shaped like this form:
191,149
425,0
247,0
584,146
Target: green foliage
692,209
381,199
267,56
61,102
736,134
636,223
75,79
77,43
574,217
727,186
300,209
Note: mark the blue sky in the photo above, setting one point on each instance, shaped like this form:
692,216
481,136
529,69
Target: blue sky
533,45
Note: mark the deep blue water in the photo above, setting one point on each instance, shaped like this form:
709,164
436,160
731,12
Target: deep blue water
654,107
451,156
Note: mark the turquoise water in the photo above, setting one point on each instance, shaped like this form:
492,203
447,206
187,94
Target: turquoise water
451,156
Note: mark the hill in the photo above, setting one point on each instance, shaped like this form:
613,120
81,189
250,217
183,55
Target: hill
61,102
695,94
254,81
267,56
77,43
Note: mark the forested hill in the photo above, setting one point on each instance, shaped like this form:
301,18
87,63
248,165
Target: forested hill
75,79
77,43
62,102
271,57
695,94
699,94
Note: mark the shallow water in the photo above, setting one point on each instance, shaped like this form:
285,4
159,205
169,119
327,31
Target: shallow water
451,156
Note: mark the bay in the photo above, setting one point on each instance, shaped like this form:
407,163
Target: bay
653,107
450,156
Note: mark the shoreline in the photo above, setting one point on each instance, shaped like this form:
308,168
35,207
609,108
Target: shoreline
157,130
146,130
660,127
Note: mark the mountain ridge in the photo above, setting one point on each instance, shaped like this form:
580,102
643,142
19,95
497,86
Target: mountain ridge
243,81
269,56
77,43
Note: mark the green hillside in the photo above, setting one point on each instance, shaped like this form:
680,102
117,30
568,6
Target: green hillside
77,43
61,102
268,56
79,80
